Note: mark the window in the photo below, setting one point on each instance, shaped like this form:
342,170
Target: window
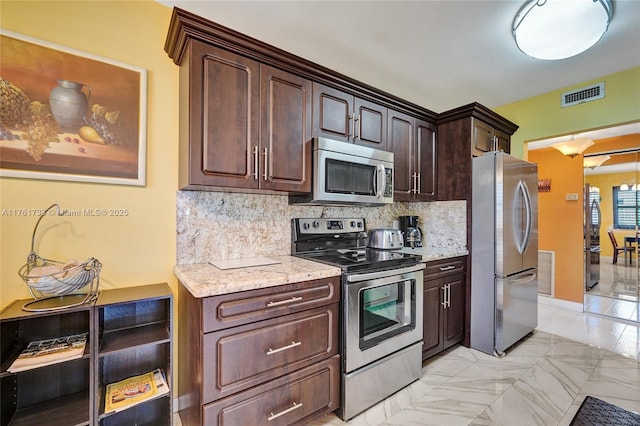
626,208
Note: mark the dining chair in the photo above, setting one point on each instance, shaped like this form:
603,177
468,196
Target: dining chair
617,249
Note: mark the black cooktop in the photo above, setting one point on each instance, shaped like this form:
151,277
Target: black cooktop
342,243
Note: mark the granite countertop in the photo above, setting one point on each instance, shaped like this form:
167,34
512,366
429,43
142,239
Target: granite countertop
430,254
204,279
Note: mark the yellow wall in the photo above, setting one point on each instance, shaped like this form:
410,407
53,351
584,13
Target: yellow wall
136,249
541,117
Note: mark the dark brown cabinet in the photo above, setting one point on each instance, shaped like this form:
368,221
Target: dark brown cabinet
129,333
444,305
341,116
256,356
413,143
486,138
246,125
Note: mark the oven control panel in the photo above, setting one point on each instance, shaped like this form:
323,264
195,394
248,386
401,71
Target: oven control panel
329,226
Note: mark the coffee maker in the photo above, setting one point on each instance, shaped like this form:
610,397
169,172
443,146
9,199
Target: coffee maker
411,232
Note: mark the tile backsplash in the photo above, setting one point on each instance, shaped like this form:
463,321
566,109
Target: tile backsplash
222,225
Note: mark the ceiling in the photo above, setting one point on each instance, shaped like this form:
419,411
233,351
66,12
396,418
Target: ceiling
437,54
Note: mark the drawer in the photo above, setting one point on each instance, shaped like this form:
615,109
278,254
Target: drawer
238,358
314,390
230,310
445,267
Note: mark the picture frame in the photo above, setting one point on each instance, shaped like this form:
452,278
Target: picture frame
69,115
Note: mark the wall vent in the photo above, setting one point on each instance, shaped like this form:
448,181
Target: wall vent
546,272
586,94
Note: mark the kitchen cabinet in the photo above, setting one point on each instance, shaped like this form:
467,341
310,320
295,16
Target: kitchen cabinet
413,143
244,124
485,138
342,116
444,305
129,333
260,355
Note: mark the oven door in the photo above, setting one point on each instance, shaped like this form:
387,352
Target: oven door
382,314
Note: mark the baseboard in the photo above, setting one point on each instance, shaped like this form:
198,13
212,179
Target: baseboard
559,303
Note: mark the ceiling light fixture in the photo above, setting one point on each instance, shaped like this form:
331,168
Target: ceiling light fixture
573,147
559,29
595,161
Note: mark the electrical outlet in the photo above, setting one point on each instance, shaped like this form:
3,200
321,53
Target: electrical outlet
571,196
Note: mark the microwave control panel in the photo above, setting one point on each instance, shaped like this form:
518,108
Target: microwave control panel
388,187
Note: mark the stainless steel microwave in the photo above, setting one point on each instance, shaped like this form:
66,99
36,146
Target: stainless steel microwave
348,174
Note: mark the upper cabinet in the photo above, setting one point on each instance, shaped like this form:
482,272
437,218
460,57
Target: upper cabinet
464,133
413,143
249,111
247,124
341,116
486,138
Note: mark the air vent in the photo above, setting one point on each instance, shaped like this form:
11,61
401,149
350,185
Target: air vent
585,94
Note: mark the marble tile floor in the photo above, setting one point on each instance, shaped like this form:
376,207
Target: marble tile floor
541,381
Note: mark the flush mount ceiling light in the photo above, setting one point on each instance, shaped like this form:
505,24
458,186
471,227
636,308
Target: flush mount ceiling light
595,161
573,147
559,29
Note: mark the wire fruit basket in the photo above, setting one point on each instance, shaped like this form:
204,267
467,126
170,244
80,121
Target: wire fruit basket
60,284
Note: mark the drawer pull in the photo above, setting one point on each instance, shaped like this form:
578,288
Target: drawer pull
284,302
283,412
284,348
447,268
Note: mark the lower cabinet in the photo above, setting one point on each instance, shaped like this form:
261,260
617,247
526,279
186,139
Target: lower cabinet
267,356
444,305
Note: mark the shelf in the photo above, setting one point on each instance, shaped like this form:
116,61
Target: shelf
104,415
5,365
68,410
117,340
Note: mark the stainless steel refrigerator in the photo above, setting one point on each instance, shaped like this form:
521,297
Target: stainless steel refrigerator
504,251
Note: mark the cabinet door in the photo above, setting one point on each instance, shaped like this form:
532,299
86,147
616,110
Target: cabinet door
503,141
482,138
370,124
332,113
285,160
426,161
223,117
400,142
454,314
431,320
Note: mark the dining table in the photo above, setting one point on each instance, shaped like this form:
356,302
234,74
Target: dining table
630,241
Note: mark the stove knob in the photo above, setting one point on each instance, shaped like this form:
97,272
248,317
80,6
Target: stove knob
359,224
353,224
305,225
316,224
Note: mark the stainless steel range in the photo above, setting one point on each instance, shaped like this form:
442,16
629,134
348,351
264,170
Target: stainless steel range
381,308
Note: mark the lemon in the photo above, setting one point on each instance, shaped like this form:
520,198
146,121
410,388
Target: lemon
89,134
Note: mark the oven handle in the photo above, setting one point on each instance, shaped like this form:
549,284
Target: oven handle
382,274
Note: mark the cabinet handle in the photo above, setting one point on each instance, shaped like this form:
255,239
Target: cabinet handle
447,268
414,187
419,184
444,297
356,126
266,164
349,118
283,412
284,348
284,302
448,295
255,163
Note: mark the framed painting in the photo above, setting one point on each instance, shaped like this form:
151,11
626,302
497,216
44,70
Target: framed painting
69,115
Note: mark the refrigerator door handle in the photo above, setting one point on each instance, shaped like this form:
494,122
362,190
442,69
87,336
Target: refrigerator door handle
524,244
524,279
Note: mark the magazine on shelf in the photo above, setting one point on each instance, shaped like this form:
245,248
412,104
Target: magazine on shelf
50,351
134,390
